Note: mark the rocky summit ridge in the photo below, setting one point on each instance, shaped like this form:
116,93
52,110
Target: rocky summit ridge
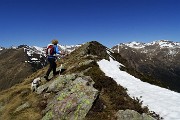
82,91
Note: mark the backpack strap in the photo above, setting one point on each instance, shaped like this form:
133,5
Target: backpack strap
54,49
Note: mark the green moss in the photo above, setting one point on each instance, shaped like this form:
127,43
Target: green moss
80,110
77,112
61,96
68,105
48,116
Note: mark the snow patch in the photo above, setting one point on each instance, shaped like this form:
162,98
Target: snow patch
34,59
39,49
164,102
172,52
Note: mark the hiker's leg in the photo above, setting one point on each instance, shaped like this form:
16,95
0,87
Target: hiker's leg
54,67
50,67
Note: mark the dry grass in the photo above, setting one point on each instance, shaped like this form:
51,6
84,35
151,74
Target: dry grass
13,69
18,95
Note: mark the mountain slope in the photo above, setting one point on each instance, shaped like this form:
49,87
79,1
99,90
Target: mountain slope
81,71
159,60
13,69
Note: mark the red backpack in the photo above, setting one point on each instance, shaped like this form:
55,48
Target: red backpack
50,50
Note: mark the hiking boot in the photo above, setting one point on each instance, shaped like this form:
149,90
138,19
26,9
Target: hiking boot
57,73
46,77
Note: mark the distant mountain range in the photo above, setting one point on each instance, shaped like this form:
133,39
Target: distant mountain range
158,59
96,83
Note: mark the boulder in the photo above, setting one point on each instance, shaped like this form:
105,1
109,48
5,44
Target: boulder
132,115
57,84
22,107
72,102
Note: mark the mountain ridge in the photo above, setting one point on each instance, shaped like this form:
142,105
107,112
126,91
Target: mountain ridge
79,64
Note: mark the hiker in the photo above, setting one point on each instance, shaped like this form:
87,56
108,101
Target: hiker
51,52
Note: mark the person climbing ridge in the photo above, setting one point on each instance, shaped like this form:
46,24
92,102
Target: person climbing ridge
51,52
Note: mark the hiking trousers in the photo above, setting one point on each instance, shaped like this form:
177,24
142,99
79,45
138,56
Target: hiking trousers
52,66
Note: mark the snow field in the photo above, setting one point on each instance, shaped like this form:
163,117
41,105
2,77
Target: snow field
164,102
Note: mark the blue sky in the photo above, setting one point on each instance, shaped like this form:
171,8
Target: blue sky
37,22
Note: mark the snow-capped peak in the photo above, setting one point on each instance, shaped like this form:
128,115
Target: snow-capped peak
68,48
135,44
38,48
165,44
158,43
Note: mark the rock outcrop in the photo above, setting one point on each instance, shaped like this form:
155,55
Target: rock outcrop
132,115
74,96
22,107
